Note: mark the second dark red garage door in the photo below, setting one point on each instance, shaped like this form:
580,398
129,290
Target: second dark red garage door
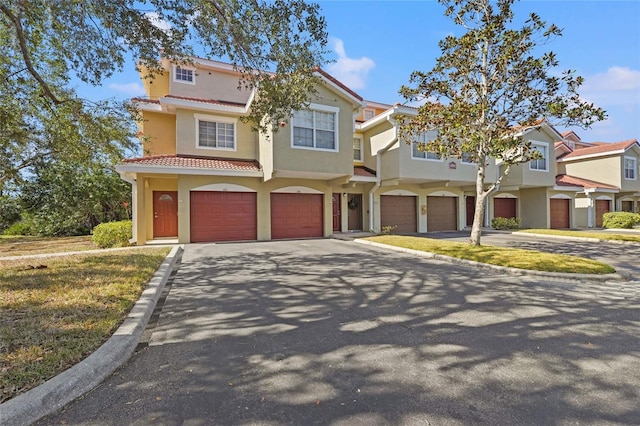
559,213
296,215
223,216
504,207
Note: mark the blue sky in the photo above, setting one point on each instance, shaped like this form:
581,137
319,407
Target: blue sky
377,44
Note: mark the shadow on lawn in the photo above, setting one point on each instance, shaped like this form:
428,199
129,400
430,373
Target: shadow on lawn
371,337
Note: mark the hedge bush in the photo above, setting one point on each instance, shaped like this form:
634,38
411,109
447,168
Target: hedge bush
113,234
505,223
625,220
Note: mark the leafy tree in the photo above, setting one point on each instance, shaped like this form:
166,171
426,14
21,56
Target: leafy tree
488,81
64,198
275,45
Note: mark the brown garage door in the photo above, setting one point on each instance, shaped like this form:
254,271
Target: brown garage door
296,215
398,212
223,216
559,209
602,207
504,207
442,214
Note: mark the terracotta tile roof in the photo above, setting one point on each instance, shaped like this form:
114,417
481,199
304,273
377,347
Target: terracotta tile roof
208,101
342,86
601,148
566,180
195,162
363,171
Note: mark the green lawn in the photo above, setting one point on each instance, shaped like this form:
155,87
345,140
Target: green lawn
606,236
509,257
56,311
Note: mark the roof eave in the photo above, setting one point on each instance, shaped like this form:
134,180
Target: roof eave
173,170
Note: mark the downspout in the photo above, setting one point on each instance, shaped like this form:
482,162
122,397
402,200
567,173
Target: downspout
378,170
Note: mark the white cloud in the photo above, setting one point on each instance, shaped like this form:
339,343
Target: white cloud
130,89
158,22
616,86
351,72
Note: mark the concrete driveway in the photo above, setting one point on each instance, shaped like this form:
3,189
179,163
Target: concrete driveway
333,332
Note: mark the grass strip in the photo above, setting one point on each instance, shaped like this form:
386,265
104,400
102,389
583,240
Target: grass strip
54,312
584,234
501,256
20,245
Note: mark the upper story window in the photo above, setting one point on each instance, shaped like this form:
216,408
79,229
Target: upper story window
467,158
316,128
369,114
424,137
215,132
357,149
541,164
184,75
630,168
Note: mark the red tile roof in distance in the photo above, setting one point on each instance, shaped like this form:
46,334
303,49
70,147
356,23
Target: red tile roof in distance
363,171
566,180
207,101
601,148
195,162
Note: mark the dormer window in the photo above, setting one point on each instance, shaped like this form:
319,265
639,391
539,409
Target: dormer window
184,75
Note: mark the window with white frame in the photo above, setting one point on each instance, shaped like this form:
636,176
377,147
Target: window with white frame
357,149
467,158
183,74
215,132
630,168
542,163
315,128
369,114
416,152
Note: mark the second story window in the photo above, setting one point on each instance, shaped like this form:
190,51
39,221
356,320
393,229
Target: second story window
357,149
215,134
183,75
315,128
425,155
542,163
630,168
368,114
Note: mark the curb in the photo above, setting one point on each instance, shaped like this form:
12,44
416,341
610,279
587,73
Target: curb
504,269
49,397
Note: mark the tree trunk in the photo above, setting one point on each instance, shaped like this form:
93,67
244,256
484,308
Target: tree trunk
476,228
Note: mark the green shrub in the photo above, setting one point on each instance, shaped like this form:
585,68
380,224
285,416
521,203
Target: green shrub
625,220
113,234
20,228
505,223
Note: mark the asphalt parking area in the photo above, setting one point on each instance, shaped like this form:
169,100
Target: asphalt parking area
333,332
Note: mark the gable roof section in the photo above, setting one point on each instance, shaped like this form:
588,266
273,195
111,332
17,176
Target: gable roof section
340,87
566,180
179,164
600,150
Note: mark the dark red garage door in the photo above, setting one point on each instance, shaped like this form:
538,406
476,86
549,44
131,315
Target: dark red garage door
559,213
442,214
296,215
223,216
602,207
399,213
504,207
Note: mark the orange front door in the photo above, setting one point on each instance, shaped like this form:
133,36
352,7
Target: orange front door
165,214
337,226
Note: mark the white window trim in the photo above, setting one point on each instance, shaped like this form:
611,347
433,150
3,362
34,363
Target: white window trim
175,73
321,108
364,115
413,157
634,168
216,119
546,158
361,159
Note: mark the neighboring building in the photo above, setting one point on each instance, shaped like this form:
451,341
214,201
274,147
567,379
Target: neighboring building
339,167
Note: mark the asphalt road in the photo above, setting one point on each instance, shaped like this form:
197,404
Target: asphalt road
333,332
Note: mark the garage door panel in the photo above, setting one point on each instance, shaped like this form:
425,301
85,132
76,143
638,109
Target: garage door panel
223,216
296,215
399,212
504,207
559,213
442,214
602,207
